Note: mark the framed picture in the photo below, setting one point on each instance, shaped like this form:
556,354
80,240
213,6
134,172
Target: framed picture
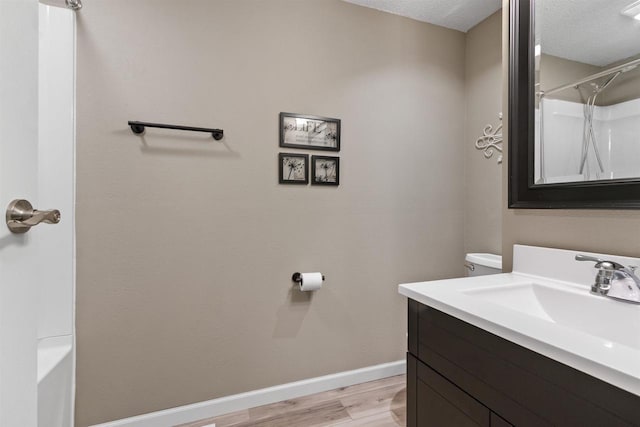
293,168
325,170
310,132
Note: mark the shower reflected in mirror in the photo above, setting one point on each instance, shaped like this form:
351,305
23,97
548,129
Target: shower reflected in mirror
587,74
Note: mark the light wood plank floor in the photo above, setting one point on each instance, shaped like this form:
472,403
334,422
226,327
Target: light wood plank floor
379,403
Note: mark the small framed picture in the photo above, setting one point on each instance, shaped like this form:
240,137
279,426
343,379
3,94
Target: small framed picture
325,170
293,168
309,132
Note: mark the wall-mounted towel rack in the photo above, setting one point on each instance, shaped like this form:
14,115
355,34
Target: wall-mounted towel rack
138,127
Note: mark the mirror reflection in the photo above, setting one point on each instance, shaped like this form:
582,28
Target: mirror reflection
587,62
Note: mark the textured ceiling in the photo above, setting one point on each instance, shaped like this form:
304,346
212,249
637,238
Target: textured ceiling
456,14
591,31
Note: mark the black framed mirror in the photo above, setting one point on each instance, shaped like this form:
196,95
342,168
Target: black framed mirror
589,179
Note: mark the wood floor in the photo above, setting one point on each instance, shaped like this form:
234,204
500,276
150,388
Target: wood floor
374,404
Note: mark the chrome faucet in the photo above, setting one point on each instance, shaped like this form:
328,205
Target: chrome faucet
614,280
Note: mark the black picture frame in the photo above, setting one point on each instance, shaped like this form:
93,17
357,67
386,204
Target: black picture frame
281,168
523,193
310,146
319,179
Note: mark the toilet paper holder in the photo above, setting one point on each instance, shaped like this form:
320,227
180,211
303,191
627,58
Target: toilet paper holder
297,277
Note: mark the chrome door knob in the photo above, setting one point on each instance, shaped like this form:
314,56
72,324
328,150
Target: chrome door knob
21,216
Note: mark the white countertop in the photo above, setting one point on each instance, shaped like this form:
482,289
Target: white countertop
557,318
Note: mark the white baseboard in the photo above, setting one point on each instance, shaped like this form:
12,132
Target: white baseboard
265,396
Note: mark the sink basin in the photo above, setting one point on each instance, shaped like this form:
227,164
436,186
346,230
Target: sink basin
572,308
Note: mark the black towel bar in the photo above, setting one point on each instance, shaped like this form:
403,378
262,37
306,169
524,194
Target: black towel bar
138,127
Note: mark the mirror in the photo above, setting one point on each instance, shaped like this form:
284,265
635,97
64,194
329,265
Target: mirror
574,114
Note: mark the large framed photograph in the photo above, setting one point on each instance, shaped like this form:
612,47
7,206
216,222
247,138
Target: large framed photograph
325,170
293,168
310,132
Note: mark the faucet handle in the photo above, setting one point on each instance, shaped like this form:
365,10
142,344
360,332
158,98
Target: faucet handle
581,257
600,263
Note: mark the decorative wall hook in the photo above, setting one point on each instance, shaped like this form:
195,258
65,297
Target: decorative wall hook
491,140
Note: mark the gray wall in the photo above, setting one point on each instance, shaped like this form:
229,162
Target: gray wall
626,86
483,177
186,246
556,71
616,232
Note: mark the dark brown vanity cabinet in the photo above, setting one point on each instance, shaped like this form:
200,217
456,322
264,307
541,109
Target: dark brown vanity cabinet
459,375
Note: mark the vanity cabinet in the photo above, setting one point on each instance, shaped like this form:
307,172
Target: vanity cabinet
461,375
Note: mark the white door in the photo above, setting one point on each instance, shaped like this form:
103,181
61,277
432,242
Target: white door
18,180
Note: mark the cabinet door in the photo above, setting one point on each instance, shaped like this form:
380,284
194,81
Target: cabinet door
440,403
498,421
434,410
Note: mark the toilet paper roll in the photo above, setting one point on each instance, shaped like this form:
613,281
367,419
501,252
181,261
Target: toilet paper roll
310,281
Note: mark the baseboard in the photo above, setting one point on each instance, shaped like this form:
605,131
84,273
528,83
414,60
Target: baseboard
265,396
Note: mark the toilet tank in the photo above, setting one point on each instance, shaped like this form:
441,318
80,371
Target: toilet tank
483,264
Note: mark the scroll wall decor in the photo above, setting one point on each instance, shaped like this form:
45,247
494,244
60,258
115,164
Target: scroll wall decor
491,140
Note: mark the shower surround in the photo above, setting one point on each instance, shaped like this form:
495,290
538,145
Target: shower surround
616,128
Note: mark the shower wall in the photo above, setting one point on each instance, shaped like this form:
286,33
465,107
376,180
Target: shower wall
616,129
56,165
56,189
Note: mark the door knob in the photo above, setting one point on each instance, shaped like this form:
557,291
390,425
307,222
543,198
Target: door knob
21,216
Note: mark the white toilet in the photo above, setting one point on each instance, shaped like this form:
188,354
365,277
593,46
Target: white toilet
483,264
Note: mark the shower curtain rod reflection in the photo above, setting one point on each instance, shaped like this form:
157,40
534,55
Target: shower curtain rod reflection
623,68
